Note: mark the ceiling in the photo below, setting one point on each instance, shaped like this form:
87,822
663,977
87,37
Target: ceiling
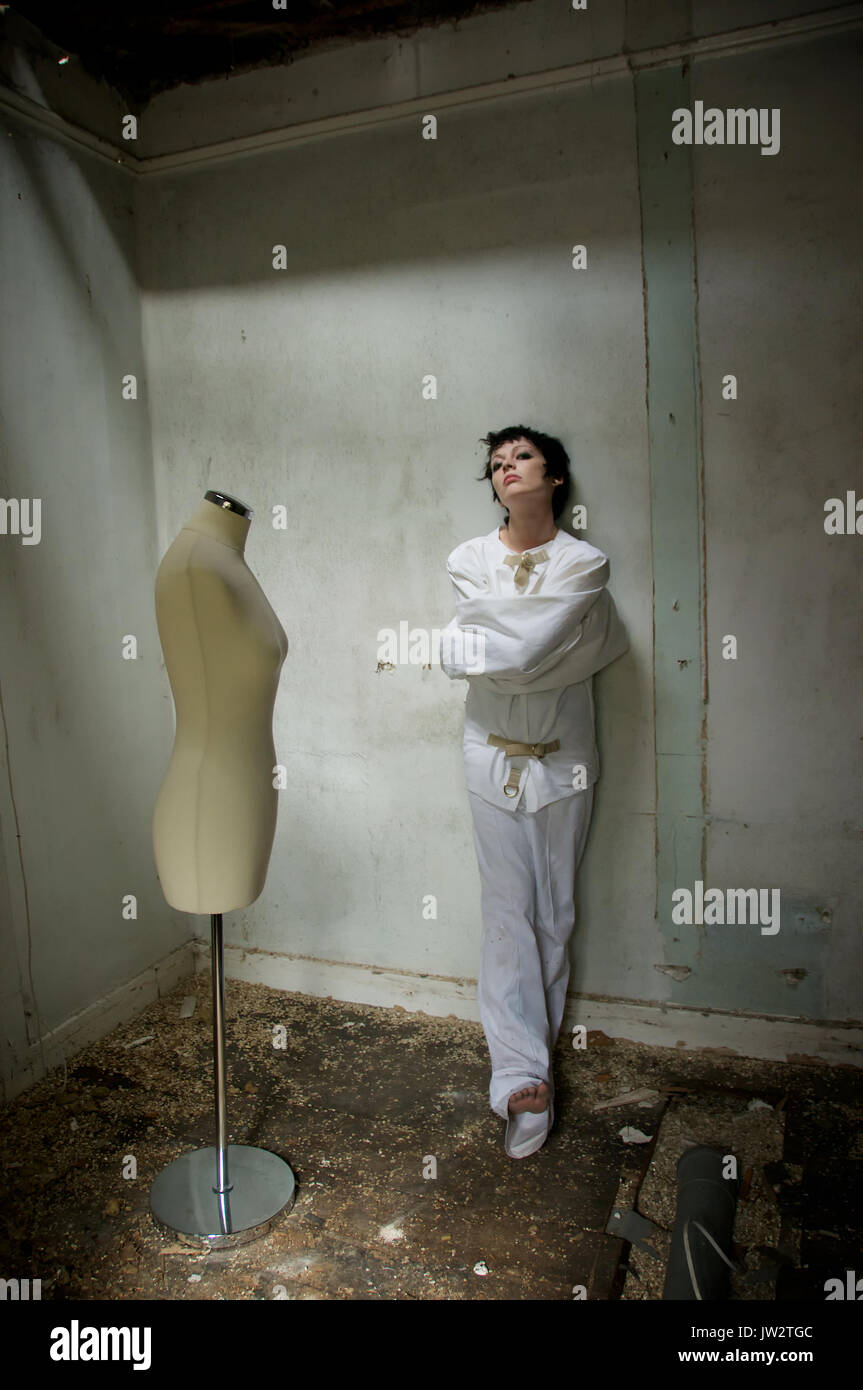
142,47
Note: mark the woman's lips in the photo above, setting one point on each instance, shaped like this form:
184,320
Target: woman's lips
511,478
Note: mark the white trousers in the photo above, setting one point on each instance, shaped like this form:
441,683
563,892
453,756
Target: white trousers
528,862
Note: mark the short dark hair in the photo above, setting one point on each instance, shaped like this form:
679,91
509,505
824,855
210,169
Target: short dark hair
556,460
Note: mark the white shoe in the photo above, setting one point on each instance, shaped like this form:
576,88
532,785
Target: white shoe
527,1131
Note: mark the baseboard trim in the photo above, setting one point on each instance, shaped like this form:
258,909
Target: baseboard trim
657,1025
121,1005
760,1037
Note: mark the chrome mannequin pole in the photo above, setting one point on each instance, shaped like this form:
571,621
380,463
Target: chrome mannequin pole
197,1195
218,972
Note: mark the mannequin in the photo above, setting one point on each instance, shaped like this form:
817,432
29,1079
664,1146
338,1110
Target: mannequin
214,822
215,816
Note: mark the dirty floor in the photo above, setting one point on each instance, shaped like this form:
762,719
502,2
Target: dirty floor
403,1187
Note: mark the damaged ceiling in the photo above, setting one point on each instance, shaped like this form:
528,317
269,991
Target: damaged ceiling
141,47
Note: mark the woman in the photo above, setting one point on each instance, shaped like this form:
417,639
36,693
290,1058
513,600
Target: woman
534,621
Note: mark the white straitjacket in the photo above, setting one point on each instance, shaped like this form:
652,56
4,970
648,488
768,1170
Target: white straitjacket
541,646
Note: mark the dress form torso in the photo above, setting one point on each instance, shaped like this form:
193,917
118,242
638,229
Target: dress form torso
215,816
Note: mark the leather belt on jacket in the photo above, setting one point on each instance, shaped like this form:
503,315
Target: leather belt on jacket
514,749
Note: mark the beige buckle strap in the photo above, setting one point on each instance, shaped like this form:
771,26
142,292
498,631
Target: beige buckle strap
524,750
513,781
514,749
523,565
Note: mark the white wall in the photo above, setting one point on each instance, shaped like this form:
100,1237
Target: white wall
780,293
88,732
304,388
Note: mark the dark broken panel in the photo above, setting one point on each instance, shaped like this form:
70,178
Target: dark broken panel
142,48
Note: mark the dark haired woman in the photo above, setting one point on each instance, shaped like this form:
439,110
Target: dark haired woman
534,621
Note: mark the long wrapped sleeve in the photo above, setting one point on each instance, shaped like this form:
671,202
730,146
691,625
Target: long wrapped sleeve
532,642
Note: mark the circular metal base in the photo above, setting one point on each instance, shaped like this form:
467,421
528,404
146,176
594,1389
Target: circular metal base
183,1196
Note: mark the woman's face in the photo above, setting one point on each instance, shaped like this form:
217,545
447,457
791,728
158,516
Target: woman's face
518,470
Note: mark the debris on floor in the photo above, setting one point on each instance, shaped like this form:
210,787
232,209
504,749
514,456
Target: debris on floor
403,1187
